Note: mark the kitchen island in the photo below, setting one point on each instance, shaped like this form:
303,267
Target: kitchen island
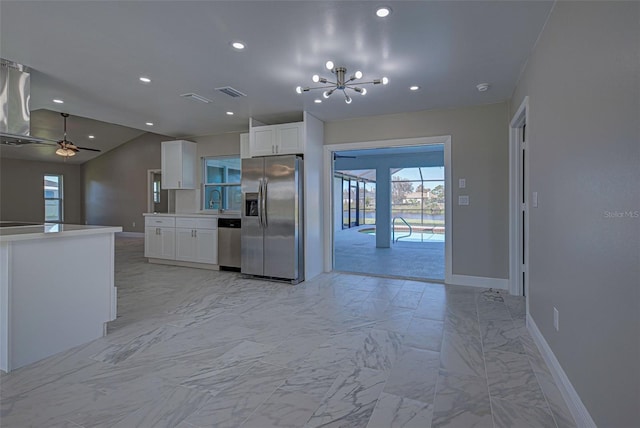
56,289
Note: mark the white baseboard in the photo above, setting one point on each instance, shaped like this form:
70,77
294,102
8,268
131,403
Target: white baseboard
131,234
478,281
574,403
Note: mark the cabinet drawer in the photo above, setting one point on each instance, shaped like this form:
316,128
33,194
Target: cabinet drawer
160,221
197,223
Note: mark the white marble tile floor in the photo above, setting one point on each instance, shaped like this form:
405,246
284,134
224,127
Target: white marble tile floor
195,348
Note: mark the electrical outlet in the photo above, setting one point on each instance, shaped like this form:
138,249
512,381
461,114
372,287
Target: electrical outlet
463,200
556,321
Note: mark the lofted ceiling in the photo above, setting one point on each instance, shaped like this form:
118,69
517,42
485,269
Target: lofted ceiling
49,125
91,54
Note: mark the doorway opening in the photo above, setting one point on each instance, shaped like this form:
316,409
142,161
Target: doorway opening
157,197
519,204
389,211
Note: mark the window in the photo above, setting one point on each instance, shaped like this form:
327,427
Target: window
156,190
417,195
53,198
221,183
358,197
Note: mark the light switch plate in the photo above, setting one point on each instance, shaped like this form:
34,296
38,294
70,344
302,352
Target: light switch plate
535,199
463,200
462,183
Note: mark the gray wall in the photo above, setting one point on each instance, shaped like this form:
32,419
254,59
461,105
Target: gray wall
479,153
583,85
22,190
115,184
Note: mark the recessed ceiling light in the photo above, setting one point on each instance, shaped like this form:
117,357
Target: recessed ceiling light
414,87
238,45
145,79
149,123
317,101
383,12
230,113
58,101
91,137
483,87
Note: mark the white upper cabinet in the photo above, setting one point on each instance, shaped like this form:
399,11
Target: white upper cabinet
245,151
284,139
179,164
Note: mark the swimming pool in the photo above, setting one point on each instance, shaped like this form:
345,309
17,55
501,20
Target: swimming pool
416,236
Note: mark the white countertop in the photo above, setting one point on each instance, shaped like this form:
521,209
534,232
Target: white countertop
226,214
52,230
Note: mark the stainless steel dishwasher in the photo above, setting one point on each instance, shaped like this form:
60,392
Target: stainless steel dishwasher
229,255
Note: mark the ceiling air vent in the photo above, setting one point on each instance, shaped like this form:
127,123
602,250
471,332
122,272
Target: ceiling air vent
196,97
228,90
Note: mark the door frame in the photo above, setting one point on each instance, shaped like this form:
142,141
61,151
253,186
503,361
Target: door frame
329,149
516,226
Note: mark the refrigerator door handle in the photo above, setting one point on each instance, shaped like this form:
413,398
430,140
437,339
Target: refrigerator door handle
260,203
264,203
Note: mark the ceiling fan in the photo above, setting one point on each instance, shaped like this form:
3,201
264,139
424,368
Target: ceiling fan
65,147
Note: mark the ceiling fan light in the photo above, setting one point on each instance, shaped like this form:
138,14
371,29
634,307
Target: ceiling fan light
329,65
65,152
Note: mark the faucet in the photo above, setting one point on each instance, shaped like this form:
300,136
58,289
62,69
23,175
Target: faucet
213,200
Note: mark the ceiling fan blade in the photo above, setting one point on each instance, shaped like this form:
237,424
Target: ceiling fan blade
87,148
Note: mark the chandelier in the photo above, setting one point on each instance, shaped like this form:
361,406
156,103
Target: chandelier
341,83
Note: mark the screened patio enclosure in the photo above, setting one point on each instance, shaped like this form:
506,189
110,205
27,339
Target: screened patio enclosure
389,212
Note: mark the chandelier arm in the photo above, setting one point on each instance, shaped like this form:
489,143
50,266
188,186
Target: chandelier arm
321,87
364,83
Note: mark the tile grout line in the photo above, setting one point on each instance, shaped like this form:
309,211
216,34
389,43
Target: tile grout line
484,360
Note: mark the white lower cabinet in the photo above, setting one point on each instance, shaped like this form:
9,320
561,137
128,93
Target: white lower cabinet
191,240
159,242
197,245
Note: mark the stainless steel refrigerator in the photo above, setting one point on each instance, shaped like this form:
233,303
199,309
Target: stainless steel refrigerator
272,218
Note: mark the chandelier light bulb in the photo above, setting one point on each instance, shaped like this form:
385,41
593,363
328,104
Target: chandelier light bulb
385,80
364,91
315,78
299,89
347,99
329,65
358,74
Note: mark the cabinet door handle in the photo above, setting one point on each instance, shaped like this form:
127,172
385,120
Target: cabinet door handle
179,183
195,233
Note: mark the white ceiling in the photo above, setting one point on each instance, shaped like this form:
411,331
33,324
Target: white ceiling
91,54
